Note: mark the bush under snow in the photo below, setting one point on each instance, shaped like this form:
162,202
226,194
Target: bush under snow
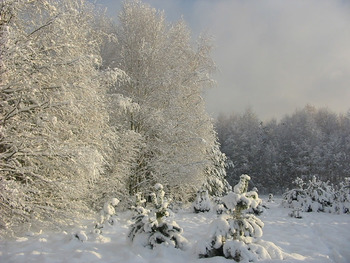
318,196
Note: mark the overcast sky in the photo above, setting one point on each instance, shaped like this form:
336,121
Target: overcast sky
274,56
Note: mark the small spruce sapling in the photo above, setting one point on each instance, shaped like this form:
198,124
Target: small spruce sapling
343,196
236,234
270,200
152,227
107,214
202,202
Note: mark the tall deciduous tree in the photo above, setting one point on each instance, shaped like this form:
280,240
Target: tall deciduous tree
167,78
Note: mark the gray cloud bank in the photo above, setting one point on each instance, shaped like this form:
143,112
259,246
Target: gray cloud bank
273,55
276,56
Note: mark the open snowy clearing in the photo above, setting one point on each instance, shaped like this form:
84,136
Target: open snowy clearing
317,237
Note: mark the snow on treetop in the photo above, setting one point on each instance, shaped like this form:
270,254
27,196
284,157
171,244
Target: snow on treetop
232,199
115,201
158,186
245,176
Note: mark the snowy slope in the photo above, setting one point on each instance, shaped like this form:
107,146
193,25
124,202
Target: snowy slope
317,237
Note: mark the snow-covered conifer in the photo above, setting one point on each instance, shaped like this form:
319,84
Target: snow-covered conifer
216,183
236,234
202,202
343,196
153,227
270,198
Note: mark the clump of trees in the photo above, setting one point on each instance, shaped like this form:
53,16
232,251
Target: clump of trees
54,129
318,196
310,142
91,110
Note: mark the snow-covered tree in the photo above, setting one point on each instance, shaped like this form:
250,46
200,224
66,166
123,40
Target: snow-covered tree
53,122
216,183
107,215
236,234
343,196
167,78
153,227
202,202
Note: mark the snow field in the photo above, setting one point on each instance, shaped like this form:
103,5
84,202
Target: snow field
317,237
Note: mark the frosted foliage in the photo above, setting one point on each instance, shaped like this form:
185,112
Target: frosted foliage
126,104
113,77
237,234
55,142
162,100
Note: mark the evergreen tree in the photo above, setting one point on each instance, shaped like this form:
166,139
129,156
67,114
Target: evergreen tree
236,234
202,202
152,227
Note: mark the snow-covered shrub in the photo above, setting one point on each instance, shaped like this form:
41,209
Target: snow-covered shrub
236,234
315,196
107,214
81,236
153,227
296,213
343,196
270,198
322,194
202,202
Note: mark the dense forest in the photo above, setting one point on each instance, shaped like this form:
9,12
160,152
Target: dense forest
310,142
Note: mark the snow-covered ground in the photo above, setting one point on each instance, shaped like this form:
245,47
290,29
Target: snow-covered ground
317,237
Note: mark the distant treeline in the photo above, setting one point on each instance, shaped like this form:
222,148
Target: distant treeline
310,142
